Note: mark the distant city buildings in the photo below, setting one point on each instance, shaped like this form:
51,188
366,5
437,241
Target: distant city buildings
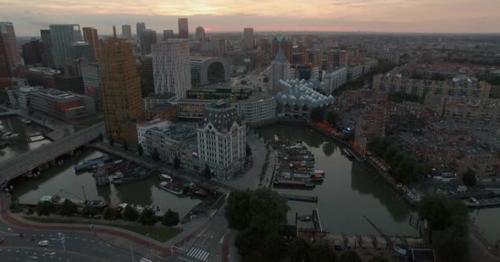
183,28
248,41
167,34
200,33
139,28
208,70
90,36
280,69
9,56
171,67
121,91
126,32
47,59
32,52
258,110
147,39
221,140
61,39
334,79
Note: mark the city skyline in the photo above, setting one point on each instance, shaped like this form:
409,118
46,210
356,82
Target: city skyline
445,16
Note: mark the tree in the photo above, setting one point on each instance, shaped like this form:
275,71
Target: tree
177,162
44,208
317,114
170,218
379,259
300,250
68,208
469,178
274,247
109,213
323,252
332,117
433,208
111,141
155,155
130,213
140,150
88,211
207,173
147,217
350,256
125,145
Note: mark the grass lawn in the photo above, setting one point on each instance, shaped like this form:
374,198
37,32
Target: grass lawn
160,233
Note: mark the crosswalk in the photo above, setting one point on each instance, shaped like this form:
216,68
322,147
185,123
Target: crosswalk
198,254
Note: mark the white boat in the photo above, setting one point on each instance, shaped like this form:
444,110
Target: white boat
166,177
26,121
171,188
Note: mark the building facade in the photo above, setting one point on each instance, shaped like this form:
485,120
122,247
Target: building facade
221,140
61,39
61,105
248,41
334,79
183,28
171,67
126,32
90,36
9,44
280,69
258,110
120,90
147,39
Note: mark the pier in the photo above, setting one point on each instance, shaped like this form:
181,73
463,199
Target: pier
316,220
300,198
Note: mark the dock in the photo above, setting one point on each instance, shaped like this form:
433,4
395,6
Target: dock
316,220
300,198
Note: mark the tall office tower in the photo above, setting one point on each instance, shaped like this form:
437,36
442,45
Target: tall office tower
148,38
61,38
126,32
172,67
32,52
167,34
183,28
10,46
139,28
120,90
283,43
90,36
5,71
222,140
200,33
248,40
47,46
222,47
280,69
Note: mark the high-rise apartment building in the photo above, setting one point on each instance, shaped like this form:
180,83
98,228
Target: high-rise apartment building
171,67
283,43
61,38
280,69
5,72
167,34
200,33
32,52
126,32
46,53
147,39
90,36
222,140
139,28
120,90
183,28
248,39
9,44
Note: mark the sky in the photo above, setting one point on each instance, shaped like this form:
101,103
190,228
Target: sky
427,16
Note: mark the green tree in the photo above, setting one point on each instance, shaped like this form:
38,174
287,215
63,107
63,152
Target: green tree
300,250
170,218
44,208
140,150
130,213
68,208
110,213
155,155
379,259
125,145
147,217
350,256
433,208
274,247
469,178
88,211
323,252
332,117
317,114
207,173
328,148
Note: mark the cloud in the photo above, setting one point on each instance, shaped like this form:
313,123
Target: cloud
232,15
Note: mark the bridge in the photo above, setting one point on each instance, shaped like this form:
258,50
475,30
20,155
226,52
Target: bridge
27,162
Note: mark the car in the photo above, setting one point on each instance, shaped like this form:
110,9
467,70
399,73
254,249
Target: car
43,243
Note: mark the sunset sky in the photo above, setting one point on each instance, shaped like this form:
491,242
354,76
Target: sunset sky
475,16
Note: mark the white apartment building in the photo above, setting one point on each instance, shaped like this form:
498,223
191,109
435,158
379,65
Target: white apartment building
258,109
171,67
221,140
280,69
334,80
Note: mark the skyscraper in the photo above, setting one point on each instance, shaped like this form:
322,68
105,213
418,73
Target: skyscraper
9,43
148,38
200,33
183,28
248,40
32,52
283,43
120,90
61,38
90,36
126,32
139,28
5,72
280,69
171,67
46,53
167,34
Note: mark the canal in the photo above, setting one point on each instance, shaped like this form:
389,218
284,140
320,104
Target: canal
14,125
352,190
64,182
